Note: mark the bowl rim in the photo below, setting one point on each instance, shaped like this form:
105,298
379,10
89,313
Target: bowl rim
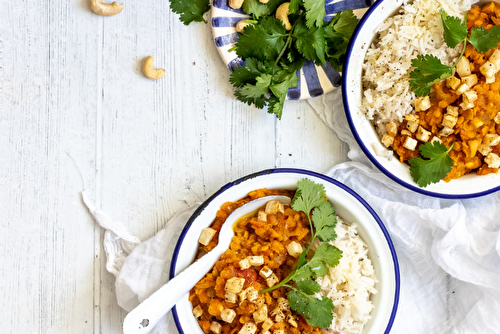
304,172
360,142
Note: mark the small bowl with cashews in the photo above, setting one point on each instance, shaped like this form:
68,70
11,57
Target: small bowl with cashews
235,295
228,21
438,138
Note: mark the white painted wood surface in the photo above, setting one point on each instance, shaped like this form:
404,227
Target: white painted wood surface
72,97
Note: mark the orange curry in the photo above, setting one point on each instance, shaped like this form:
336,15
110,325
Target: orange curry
227,299
464,115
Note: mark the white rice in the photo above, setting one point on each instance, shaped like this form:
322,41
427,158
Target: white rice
416,29
349,284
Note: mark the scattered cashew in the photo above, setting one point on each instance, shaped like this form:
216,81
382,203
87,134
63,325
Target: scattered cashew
240,26
263,1
235,4
282,14
105,9
151,72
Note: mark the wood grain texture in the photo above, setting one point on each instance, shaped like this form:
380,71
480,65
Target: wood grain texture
73,100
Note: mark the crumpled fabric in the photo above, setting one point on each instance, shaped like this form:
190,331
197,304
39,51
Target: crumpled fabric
448,250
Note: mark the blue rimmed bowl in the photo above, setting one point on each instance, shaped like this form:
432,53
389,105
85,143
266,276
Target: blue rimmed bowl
347,204
313,80
468,186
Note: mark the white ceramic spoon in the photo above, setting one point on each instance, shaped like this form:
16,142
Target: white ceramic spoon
144,317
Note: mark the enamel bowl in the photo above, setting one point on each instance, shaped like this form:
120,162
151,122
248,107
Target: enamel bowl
466,187
346,203
313,80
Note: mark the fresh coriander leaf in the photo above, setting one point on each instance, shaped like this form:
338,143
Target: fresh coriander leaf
294,5
315,12
247,73
283,82
325,254
259,102
310,43
324,220
264,41
317,312
308,196
190,10
258,9
336,47
484,40
308,286
303,273
428,70
260,88
455,31
345,23
435,168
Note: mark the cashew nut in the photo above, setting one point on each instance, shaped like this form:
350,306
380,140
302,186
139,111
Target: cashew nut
105,9
151,72
263,1
235,4
240,26
282,14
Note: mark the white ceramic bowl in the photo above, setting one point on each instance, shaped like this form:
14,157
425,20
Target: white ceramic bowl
465,187
346,203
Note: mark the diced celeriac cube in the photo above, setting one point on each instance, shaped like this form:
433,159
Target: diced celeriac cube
272,280
244,264
228,315
470,80
248,328
259,302
197,311
410,143
294,249
436,139
279,331
262,216
231,297
423,135
268,323
484,149
256,260
490,79
215,327
497,118
252,294
279,316
242,295
488,69
291,320
493,160
469,96
462,89
260,315
283,304
466,106
273,207
491,139
453,82
405,133
206,236
463,67
445,132
412,126
449,120
392,128
265,272
495,58
452,111
421,104
234,285
387,140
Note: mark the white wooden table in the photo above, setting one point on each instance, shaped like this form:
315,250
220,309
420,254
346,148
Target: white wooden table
73,97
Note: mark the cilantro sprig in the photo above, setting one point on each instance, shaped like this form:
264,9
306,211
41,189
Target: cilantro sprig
428,69
435,167
274,55
318,312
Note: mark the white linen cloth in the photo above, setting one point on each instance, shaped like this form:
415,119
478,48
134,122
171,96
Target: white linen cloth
448,250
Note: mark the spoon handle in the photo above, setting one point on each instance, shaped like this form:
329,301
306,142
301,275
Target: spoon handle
144,317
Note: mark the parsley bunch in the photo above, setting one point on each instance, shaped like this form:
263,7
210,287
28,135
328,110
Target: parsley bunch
273,55
428,69
318,312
